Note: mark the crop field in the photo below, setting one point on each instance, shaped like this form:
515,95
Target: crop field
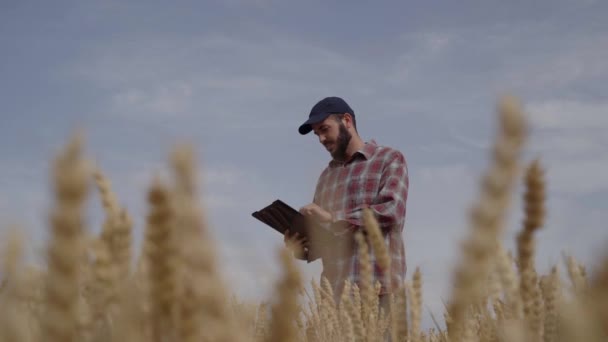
94,287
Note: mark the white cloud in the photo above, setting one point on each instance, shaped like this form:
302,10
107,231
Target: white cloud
569,137
221,186
427,42
167,99
211,62
471,64
570,115
562,62
216,80
467,143
223,175
444,175
578,177
565,145
420,50
250,3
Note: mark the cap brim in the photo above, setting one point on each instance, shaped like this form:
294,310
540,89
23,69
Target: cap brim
306,127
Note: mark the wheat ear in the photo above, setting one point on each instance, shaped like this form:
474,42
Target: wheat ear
160,256
487,216
534,216
285,311
70,175
202,294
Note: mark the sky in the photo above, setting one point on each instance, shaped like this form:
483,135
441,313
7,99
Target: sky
236,78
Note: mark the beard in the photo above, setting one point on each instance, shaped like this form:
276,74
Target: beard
342,142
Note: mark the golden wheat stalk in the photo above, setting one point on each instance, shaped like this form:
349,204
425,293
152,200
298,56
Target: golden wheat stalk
103,286
13,313
534,210
122,244
366,286
416,307
534,216
550,287
487,216
349,302
201,288
70,175
400,325
512,308
160,254
117,226
285,310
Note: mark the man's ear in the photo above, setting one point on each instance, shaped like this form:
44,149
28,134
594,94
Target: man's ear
349,119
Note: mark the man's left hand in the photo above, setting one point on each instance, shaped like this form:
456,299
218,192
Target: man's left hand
317,213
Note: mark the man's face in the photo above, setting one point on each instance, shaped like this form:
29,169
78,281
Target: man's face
334,136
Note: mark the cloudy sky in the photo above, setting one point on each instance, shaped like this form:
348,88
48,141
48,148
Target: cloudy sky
235,78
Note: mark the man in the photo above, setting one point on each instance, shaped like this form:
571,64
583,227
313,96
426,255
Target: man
359,175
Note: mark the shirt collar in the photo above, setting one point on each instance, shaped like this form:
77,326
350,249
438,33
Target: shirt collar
366,151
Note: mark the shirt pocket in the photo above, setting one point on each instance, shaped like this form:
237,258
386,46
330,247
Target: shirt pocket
362,190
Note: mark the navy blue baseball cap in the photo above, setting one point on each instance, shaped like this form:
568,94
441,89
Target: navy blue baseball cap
323,109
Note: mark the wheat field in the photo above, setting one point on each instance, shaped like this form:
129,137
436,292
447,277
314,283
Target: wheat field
94,287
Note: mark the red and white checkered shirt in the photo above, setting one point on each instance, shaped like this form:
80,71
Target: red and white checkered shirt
375,177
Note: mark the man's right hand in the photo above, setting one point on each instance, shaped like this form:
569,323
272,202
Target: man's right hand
298,245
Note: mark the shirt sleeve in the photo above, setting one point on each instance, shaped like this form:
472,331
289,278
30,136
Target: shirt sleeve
389,206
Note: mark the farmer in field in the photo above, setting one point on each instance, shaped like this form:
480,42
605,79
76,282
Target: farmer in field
360,174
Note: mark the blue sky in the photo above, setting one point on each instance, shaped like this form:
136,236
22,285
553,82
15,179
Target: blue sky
235,78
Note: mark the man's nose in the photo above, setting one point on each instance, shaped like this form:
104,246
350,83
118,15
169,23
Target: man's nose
322,139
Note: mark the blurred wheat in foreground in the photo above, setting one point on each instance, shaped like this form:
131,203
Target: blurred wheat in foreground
94,289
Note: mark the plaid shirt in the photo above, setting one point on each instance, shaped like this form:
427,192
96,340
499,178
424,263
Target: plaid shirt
375,177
